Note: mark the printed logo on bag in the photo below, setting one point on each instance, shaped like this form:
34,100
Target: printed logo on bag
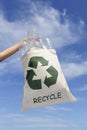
48,81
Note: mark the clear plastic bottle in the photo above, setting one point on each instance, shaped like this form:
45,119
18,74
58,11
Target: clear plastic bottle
34,41
32,37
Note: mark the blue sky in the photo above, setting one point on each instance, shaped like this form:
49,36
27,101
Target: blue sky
65,23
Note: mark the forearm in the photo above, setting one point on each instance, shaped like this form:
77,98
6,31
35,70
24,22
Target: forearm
10,51
13,49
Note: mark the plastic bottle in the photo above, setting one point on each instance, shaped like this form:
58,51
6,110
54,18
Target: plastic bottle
34,40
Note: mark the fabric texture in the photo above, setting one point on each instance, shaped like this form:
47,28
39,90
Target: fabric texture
44,81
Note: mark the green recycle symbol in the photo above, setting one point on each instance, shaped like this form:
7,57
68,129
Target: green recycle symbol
36,84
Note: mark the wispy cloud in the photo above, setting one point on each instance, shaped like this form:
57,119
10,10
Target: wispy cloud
23,121
53,108
71,56
10,66
72,70
50,22
62,31
83,88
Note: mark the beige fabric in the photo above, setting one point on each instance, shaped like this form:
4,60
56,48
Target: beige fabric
53,94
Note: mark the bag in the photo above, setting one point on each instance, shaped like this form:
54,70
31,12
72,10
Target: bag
44,82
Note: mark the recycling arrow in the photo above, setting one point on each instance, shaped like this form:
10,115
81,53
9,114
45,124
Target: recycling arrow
34,62
34,84
51,80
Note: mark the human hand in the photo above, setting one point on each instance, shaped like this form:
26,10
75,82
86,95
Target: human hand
23,42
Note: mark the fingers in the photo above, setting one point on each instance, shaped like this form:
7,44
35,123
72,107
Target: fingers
25,40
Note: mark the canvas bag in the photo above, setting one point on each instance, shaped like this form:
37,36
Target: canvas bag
44,81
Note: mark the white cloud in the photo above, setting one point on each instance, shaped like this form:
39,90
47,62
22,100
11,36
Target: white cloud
10,67
64,109
83,88
10,32
80,98
52,108
72,70
47,20
71,56
82,22
23,122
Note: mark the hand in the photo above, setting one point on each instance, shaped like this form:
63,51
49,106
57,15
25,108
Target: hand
22,42
25,40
